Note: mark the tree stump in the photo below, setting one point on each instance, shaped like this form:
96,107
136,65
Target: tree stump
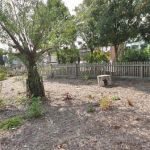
104,80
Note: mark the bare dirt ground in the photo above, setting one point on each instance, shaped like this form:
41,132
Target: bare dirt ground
66,125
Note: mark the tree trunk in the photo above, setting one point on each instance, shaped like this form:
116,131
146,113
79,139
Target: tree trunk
91,58
116,51
35,87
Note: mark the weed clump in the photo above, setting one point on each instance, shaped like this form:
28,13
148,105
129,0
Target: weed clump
90,109
105,103
2,104
115,98
34,109
3,73
11,123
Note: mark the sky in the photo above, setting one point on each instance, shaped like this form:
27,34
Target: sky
71,4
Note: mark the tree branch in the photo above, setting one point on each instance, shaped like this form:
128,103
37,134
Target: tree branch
13,38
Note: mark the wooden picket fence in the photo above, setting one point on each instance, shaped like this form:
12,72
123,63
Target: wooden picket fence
120,69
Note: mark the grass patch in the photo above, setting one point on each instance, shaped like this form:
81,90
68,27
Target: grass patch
115,98
2,104
11,123
105,103
34,109
90,109
3,73
21,100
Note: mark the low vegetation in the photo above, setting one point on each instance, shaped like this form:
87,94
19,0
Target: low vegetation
34,109
105,103
85,76
3,73
90,109
115,98
2,104
12,123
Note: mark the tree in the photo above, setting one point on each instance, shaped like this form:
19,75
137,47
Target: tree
86,25
116,24
67,55
28,26
108,22
143,11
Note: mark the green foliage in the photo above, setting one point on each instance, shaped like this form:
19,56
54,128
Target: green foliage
143,11
105,22
11,123
34,109
21,100
34,28
90,108
1,57
97,57
3,73
115,98
105,103
2,104
85,76
67,55
86,24
135,55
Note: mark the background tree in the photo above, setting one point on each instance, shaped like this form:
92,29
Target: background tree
86,24
97,57
64,37
115,24
143,11
28,26
105,22
67,55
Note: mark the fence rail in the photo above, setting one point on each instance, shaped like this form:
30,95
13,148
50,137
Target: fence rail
121,69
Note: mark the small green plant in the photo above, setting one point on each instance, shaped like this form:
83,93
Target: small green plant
2,104
115,98
21,100
105,103
85,76
90,109
3,73
11,123
34,109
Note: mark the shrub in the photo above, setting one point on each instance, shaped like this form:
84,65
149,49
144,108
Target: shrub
105,103
34,109
97,57
135,55
11,123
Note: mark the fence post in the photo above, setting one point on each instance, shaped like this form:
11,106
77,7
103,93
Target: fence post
104,66
76,70
141,71
52,71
